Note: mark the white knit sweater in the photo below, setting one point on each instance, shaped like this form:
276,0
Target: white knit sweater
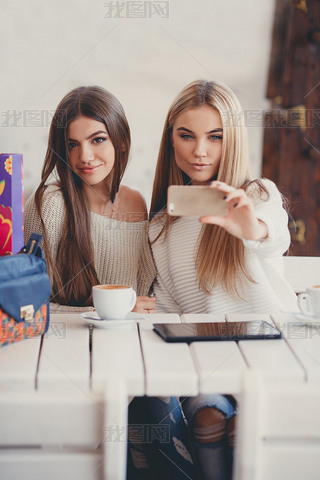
122,253
176,286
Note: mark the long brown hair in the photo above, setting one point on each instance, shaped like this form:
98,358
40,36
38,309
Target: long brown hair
73,270
220,256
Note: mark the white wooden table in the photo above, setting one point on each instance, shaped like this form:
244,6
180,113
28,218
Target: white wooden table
63,403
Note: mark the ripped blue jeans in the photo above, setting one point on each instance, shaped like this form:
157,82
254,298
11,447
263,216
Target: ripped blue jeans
158,441
214,458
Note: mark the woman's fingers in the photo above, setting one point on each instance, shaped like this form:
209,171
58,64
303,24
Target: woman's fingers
223,187
145,305
214,220
237,198
234,196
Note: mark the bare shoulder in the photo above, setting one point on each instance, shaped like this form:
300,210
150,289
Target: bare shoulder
132,202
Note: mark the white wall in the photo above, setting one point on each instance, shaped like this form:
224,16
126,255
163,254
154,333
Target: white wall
48,48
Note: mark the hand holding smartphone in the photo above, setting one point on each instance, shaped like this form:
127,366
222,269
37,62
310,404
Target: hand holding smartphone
195,201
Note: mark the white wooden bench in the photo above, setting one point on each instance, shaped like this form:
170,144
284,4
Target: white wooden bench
58,421
302,272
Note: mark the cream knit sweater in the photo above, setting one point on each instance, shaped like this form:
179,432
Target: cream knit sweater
176,286
121,250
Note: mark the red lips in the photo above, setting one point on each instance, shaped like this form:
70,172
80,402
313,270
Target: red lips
200,166
89,169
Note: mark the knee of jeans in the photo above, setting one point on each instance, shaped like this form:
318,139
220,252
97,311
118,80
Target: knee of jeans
231,431
209,425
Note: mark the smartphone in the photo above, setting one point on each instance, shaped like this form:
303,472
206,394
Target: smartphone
191,332
195,201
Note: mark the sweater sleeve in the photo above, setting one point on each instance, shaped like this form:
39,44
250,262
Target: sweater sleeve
32,223
147,269
53,212
165,302
272,213
57,308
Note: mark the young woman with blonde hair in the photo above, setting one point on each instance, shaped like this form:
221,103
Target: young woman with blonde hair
220,264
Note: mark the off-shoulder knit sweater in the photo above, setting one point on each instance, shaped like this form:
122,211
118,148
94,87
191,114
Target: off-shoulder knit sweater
176,286
122,253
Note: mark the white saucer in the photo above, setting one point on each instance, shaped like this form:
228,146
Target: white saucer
302,317
93,319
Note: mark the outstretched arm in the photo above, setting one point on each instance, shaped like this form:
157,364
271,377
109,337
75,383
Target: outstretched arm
240,220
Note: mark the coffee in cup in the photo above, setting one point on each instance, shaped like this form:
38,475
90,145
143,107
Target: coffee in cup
113,301
309,302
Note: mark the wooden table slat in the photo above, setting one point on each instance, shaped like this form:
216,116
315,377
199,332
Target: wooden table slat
124,361
304,340
18,365
220,365
64,362
273,359
170,368
51,464
47,418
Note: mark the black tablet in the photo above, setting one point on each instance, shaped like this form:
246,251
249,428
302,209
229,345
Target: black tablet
191,332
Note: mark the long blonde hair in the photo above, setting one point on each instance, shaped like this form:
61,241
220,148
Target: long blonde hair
220,256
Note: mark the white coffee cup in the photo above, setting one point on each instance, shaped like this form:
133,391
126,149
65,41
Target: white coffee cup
113,301
309,302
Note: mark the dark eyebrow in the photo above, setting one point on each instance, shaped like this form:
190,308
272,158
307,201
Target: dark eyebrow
92,135
216,130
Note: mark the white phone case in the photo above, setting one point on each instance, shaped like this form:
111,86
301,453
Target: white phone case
195,201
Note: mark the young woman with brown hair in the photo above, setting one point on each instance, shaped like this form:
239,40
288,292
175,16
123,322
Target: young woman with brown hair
94,228
220,264
95,231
